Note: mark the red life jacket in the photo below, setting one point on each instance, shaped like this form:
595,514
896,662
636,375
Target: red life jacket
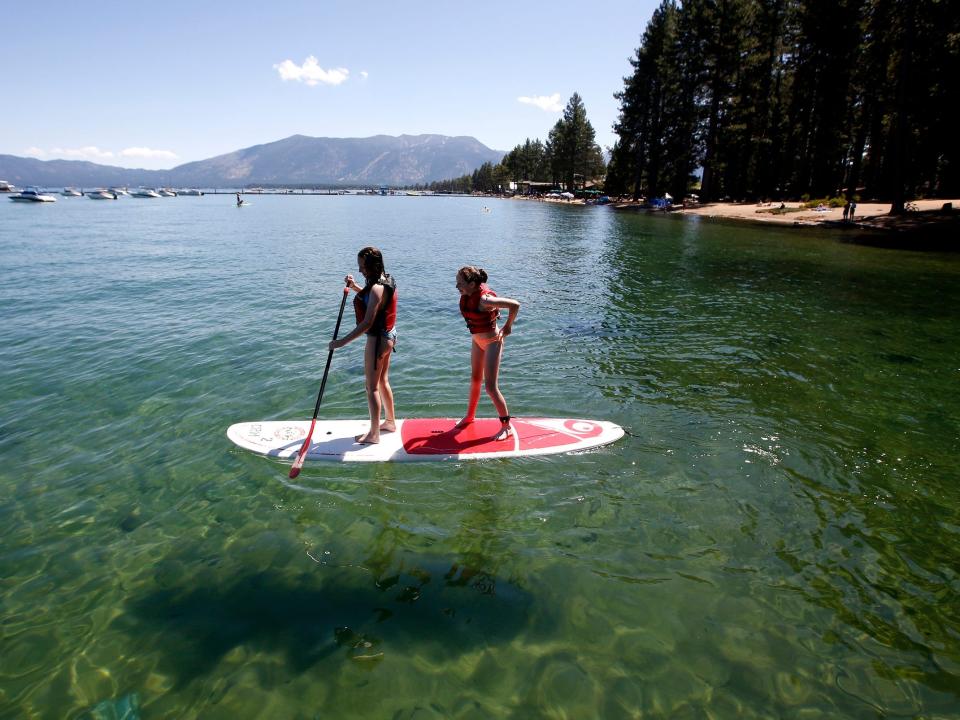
478,320
386,317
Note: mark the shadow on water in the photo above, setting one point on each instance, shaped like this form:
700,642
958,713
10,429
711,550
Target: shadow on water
435,607
920,232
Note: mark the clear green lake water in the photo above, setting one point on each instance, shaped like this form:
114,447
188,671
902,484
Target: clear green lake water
778,536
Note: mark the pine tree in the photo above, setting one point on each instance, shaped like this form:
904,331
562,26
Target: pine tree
635,157
573,148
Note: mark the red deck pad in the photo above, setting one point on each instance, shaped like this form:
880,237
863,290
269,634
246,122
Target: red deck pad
437,436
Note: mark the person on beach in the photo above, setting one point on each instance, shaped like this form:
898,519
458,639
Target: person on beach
375,305
481,307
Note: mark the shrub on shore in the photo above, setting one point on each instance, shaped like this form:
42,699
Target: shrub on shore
833,202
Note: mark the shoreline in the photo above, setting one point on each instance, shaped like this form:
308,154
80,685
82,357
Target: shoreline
868,214
930,225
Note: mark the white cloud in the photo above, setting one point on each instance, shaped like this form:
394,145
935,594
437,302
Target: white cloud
364,74
95,154
549,103
310,72
89,152
145,152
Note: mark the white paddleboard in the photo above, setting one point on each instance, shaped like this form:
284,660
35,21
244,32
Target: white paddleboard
423,439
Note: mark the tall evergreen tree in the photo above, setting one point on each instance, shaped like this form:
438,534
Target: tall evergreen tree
573,148
681,71
823,56
917,143
637,157
720,26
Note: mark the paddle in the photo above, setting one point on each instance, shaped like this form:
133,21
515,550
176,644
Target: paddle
302,455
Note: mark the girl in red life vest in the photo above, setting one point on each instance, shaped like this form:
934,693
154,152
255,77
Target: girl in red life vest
480,307
376,308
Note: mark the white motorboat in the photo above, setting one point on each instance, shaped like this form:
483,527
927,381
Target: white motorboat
31,194
192,192
71,192
145,193
118,191
101,194
166,192
5,186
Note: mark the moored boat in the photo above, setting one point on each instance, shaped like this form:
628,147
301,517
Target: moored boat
101,194
71,192
5,186
166,192
145,193
32,194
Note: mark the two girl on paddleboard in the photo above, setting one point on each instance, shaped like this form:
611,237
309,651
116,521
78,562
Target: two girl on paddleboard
376,309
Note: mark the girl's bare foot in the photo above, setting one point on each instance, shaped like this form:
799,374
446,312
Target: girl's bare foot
504,432
367,439
463,423
388,426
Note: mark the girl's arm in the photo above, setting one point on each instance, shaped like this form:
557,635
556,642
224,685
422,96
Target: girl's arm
488,302
376,298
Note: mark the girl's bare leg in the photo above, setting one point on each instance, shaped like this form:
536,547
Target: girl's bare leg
476,377
492,376
386,392
372,382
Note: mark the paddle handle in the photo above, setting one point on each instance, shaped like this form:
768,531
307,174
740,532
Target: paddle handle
302,455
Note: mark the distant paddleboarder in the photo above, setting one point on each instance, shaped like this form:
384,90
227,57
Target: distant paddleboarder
239,201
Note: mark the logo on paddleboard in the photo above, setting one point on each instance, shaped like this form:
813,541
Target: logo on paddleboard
582,428
289,432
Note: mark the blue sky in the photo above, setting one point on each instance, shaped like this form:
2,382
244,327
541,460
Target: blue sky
159,84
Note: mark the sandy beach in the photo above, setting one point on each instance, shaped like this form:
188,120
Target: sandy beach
866,213
792,213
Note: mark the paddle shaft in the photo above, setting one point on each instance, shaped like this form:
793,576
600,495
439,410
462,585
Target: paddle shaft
326,370
301,456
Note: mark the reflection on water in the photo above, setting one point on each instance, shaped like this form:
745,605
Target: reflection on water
777,536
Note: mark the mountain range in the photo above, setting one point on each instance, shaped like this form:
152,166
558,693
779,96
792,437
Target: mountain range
296,160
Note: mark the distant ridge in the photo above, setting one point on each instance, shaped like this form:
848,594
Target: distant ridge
298,159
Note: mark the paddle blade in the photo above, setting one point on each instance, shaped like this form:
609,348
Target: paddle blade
302,455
